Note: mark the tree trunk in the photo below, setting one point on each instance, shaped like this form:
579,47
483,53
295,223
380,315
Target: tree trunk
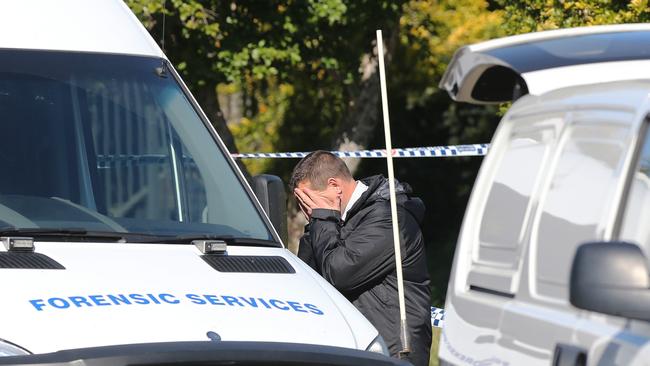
363,115
360,122
207,98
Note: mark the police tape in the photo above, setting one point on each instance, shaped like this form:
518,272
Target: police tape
411,152
437,317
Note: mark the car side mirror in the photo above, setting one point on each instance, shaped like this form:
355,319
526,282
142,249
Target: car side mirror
611,278
269,190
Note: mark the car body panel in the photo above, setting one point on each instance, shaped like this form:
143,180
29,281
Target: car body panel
514,309
120,293
106,26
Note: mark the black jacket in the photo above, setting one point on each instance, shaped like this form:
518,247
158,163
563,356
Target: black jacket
357,257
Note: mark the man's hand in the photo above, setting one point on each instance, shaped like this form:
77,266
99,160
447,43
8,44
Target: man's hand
310,200
305,210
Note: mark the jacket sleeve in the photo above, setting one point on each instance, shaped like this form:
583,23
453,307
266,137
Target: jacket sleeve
360,260
305,251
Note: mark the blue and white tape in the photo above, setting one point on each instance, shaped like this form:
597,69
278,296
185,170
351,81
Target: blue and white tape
437,317
412,152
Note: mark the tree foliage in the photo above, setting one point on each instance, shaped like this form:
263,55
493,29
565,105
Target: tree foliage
243,41
433,30
536,15
313,47
259,132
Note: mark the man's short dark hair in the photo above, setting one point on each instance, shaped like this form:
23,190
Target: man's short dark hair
316,168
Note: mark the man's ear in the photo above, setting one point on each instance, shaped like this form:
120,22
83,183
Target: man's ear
336,184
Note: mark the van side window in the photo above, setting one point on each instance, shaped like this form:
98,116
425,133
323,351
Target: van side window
575,206
506,211
507,203
635,226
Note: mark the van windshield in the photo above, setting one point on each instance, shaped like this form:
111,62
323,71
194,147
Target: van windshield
110,143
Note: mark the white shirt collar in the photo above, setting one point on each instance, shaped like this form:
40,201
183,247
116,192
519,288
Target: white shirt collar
358,191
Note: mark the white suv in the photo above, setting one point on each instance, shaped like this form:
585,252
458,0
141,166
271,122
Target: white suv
569,164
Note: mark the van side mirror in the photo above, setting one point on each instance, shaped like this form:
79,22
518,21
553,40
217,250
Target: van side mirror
269,190
611,278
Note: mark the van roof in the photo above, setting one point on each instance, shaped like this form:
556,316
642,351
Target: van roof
104,26
632,96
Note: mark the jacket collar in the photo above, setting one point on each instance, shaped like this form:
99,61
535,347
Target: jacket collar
367,197
359,189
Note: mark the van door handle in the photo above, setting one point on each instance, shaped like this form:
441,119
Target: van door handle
569,355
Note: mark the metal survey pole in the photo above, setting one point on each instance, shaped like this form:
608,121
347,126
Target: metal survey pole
404,337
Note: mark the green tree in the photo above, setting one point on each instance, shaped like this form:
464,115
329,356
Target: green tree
536,15
261,46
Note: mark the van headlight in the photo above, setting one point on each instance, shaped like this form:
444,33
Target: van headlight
378,346
8,349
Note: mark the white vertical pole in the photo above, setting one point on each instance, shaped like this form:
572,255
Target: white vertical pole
406,349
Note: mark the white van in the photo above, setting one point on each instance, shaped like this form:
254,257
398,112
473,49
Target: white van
569,164
129,236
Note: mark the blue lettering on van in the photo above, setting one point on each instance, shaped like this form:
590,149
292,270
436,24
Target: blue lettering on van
296,306
250,301
166,299
213,299
230,300
80,301
195,299
58,303
38,304
278,304
314,309
138,299
169,298
98,300
119,299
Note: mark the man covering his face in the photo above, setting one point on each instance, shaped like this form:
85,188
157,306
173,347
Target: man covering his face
349,241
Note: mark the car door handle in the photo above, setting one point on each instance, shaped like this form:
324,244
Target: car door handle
569,355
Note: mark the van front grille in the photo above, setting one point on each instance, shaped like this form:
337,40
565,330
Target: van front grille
30,260
248,263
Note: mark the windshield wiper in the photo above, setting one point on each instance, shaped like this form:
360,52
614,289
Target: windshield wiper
79,234
186,239
64,234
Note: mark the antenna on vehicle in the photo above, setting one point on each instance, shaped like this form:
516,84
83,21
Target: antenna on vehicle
404,337
161,70
162,38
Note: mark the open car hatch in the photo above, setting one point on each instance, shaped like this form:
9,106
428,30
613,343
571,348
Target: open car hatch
505,69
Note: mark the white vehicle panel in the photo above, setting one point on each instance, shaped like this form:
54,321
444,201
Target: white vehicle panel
85,304
107,26
526,328
540,82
